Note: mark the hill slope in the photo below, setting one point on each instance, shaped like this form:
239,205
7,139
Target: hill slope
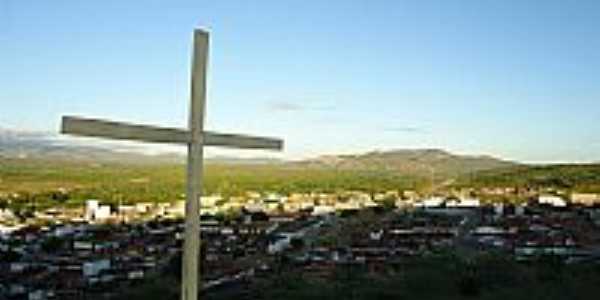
425,162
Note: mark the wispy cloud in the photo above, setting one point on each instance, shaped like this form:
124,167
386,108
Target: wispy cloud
406,129
287,106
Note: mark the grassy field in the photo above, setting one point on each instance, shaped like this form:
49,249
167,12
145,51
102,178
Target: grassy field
581,178
112,182
165,182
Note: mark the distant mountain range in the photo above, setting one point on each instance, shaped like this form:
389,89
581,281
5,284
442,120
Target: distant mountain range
39,145
425,162
51,150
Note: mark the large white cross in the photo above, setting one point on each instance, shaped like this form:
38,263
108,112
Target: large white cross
195,138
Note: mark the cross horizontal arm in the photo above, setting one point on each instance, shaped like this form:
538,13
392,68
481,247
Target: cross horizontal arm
144,133
122,131
241,141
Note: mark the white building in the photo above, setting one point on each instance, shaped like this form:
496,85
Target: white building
280,244
126,209
63,230
307,204
37,295
102,213
90,208
587,199
464,203
136,274
430,202
18,267
498,209
489,230
176,209
291,206
83,246
552,200
349,205
520,210
143,207
209,201
6,230
283,241
322,210
6,214
255,207
376,235
369,203
404,203
96,212
93,268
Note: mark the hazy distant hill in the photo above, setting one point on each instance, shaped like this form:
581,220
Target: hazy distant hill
35,145
419,162
21,144
40,145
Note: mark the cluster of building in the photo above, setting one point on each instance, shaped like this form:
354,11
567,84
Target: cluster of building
80,260
544,227
385,241
315,203
88,258
95,251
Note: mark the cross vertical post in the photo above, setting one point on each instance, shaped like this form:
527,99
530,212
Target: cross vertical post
191,250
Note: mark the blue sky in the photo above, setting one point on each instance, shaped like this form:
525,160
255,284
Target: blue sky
514,79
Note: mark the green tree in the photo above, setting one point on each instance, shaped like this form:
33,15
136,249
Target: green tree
4,203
